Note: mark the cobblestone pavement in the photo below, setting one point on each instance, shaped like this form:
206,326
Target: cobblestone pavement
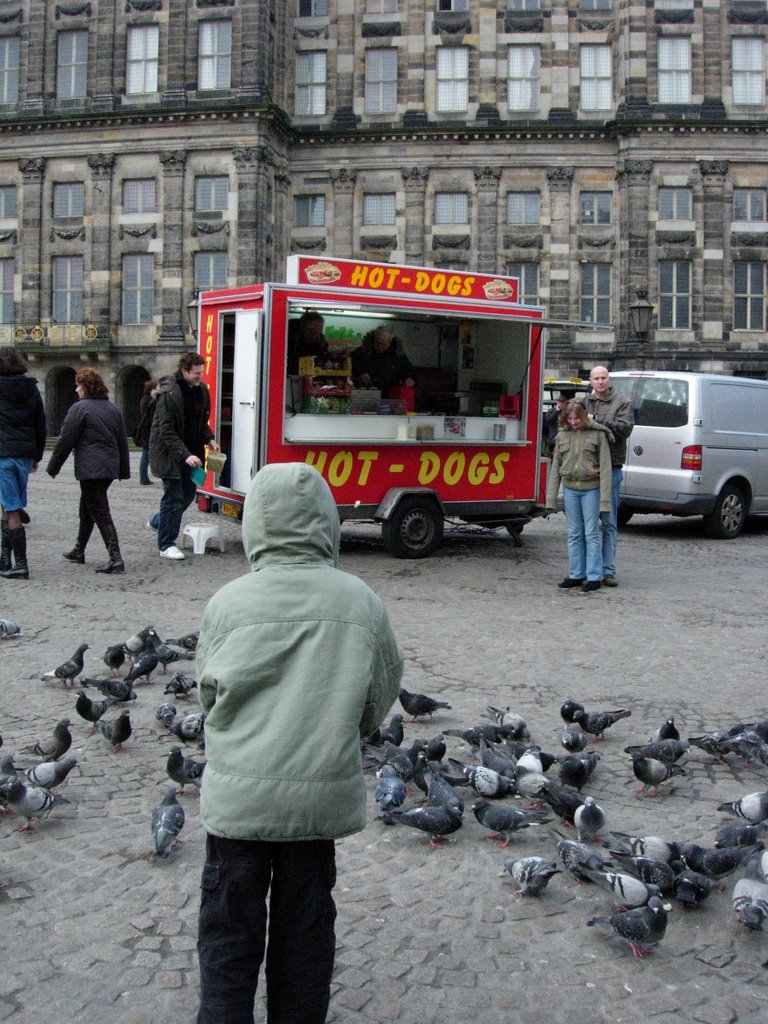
97,930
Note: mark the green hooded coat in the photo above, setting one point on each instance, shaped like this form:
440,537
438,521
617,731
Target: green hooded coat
296,662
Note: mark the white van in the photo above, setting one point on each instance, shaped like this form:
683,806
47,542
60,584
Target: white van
699,447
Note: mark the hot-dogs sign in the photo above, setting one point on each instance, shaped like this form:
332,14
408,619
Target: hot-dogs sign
386,277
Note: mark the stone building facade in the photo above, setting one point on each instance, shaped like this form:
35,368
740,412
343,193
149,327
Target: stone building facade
151,148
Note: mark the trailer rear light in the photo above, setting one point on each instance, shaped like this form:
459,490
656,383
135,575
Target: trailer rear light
691,457
203,502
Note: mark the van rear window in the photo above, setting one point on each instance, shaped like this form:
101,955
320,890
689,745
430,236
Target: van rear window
656,401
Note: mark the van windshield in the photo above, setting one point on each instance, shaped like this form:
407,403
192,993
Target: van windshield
656,401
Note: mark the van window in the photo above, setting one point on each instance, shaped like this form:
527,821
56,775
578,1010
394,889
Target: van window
656,401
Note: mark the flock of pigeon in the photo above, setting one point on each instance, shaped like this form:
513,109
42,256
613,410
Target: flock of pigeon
30,792
516,785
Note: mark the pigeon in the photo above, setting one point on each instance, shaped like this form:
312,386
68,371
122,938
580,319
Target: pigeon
135,644
165,654
9,629
588,819
180,685
531,785
576,771
116,730
188,728
667,731
650,870
57,744
652,773
434,748
92,710
390,790
114,658
689,887
579,859
568,709
717,863
574,739
739,835
747,744
393,732
70,668
511,721
563,801
50,773
143,667
437,820
503,820
399,758
188,642
487,782
711,743
120,690
597,722
642,846
629,891
8,774
666,751
167,822
165,713
750,894
491,758
184,770
418,704
752,807
641,929
30,803
530,759
531,874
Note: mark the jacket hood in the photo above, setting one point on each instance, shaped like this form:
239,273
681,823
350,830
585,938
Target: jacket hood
17,389
290,516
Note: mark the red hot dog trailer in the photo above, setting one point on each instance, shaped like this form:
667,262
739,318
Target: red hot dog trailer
464,443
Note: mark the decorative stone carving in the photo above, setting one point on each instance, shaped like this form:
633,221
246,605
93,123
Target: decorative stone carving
205,228
414,178
307,244
713,168
452,23
246,157
597,243
9,236
675,237
683,17
518,21
343,180
150,230
595,24
750,240
376,30
67,235
310,33
143,5
32,169
7,18
634,169
560,178
101,164
173,162
378,242
71,10
523,241
450,241
742,15
487,177
215,3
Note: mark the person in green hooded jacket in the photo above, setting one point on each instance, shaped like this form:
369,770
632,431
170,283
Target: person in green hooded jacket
296,663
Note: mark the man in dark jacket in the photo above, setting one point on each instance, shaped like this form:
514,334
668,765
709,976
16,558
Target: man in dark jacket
180,433
378,363
22,443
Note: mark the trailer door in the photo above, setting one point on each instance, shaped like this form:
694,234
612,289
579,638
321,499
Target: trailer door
245,397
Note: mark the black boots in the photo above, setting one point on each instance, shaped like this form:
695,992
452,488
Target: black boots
5,550
17,540
115,563
77,554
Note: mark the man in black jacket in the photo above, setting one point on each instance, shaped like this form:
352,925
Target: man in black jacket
22,443
180,433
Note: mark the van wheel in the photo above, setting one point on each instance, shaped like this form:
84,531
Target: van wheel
415,529
623,515
727,518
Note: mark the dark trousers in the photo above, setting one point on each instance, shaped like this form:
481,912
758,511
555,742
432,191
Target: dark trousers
178,495
237,876
144,467
94,510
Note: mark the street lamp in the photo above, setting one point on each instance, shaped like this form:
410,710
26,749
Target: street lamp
192,308
641,314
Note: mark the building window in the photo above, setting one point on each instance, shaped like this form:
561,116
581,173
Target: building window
749,204
523,84
596,91
451,208
528,276
381,81
595,5
139,195
214,55
595,207
748,70
211,194
313,8
379,209
309,212
310,83
675,204
6,291
595,296
68,289
9,69
211,270
523,207
143,51
69,199
674,294
523,5
452,70
7,202
675,70
71,65
381,7
453,5
138,288
749,296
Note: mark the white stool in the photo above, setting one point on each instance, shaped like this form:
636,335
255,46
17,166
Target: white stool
200,534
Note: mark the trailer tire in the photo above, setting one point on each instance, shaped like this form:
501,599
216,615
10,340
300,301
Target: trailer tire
623,515
727,518
415,528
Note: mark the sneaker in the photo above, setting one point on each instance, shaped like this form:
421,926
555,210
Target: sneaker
610,581
569,583
590,585
173,552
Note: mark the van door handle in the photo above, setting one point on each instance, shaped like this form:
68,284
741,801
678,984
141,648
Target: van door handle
637,449
251,405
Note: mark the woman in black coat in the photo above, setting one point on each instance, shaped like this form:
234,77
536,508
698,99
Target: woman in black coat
94,429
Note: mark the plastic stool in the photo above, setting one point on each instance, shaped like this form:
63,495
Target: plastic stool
200,534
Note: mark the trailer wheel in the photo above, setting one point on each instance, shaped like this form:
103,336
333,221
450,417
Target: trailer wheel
727,518
623,515
414,530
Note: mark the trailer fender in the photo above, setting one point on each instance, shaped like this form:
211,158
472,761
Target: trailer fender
388,504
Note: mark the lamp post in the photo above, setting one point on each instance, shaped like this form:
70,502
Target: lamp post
641,314
192,308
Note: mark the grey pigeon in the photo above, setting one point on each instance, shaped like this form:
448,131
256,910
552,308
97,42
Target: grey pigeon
568,709
750,894
629,891
165,654
440,792
436,821
752,807
650,870
8,774
487,782
184,770
114,658
574,739
116,730
188,642
390,790
92,710
419,704
596,723
530,759
50,773
740,835
641,929
510,720
188,728
30,802
167,821
718,863
392,733
531,785
165,713
563,801
711,743
491,758
143,667
135,644
434,749
579,859
652,773
70,668
589,819
666,731
576,770
531,874
689,887
8,629
667,751
503,820
180,685
120,690
642,846
57,744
